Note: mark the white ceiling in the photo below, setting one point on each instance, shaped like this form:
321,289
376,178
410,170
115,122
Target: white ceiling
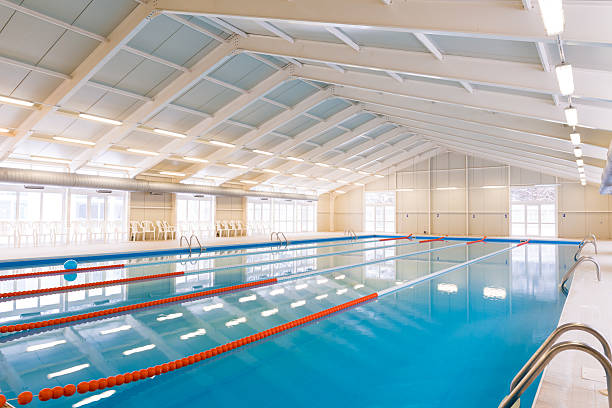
364,90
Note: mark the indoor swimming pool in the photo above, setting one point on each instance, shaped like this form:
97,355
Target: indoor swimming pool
370,322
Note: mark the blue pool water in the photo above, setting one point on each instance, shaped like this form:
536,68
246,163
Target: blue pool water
452,341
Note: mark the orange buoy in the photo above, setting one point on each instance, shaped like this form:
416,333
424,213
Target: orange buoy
102,383
93,385
111,382
25,398
45,394
58,392
2,400
119,379
83,387
69,390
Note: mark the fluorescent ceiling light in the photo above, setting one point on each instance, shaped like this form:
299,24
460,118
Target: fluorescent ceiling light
494,293
342,181
172,173
195,159
577,152
116,167
214,306
219,143
575,138
249,182
99,119
4,130
321,164
115,330
365,173
323,296
169,133
238,166
571,116
405,189
493,186
140,151
294,158
138,349
340,191
379,176
298,175
15,101
446,188
298,304
171,316
70,140
94,398
271,171
236,322
341,291
263,152
447,287
68,371
43,346
359,184
552,16
199,332
579,162
49,159
565,78
269,312
322,179
344,169
583,182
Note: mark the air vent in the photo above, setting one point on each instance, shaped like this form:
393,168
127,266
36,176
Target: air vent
34,187
104,191
198,195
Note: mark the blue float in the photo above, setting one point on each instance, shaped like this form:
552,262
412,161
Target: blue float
70,264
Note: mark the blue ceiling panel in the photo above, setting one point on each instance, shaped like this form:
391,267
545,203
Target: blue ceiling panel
292,92
207,97
358,120
296,126
242,71
257,113
329,107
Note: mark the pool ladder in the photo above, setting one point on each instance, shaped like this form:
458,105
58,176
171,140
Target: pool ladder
548,350
284,241
573,268
586,240
190,243
350,233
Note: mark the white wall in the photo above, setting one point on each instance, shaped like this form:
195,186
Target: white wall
470,209
230,208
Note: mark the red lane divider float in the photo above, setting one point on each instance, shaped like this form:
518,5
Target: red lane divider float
393,239
60,272
90,285
94,385
433,240
480,240
523,243
115,310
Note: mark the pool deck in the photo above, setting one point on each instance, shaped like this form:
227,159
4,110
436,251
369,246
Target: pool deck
573,379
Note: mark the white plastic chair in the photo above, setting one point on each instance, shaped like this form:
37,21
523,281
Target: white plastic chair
8,233
147,227
26,230
79,231
96,230
59,232
169,229
135,229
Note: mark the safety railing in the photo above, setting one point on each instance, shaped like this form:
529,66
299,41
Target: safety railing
350,233
571,270
281,241
189,243
548,343
544,360
583,243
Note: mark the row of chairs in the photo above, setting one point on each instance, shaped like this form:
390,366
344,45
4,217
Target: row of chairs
161,229
259,228
231,228
37,233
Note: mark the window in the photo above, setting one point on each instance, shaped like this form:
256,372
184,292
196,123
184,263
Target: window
264,215
195,213
380,211
533,211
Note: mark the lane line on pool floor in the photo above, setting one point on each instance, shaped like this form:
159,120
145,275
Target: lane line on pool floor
107,313
84,387
168,275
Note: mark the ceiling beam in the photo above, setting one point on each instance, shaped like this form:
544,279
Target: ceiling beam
123,33
427,43
502,20
227,26
543,54
167,95
222,115
276,31
520,76
343,37
265,128
547,135
517,105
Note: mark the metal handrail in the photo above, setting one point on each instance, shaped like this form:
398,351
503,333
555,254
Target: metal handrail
548,343
188,241
272,235
286,242
198,240
583,243
574,266
543,361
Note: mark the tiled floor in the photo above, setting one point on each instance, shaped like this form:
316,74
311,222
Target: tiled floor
589,302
